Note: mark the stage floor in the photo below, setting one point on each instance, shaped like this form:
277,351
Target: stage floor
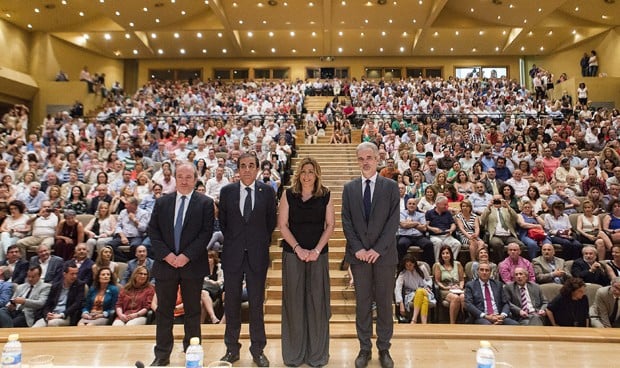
413,346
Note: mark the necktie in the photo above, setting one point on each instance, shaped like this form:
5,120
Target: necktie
524,300
21,306
501,219
178,225
614,312
247,205
494,186
367,200
487,298
556,279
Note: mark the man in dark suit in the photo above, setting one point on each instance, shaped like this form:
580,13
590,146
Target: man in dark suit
83,263
16,265
588,268
491,183
68,313
103,196
247,218
370,218
486,301
51,265
180,228
527,302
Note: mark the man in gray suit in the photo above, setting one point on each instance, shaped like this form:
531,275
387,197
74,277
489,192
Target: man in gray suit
549,268
604,311
527,302
370,217
27,299
51,266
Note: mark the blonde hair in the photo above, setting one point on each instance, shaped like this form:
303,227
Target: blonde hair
319,189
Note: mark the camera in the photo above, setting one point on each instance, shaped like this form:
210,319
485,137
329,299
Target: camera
497,201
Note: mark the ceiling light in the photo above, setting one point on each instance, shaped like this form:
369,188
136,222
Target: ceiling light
436,34
250,34
117,53
264,22
182,12
550,33
145,9
270,34
29,26
504,33
540,10
361,49
224,51
160,51
480,33
604,17
153,35
496,48
285,3
499,17
474,50
294,51
420,2
260,5
313,34
240,21
204,51
340,33
107,36
343,3
576,8
156,20
131,24
574,31
64,2
235,5
530,33
127,36
8,15
471,10
182,51
206,2
456,33
522,48
362,34
273,50
117,13
219,34
511,6
432,49
390,21
311,4
135,52
253,51
414,21
85,36
542,48
313,49
292,33
199,35
366,21
81,14
383,33
401,49
451,49
524,20
340,50
312,22
380,49
36,10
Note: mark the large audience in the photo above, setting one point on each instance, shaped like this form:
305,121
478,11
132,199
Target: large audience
484,166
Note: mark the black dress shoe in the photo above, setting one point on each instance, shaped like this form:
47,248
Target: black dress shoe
230,357
158,362
261,360
385,359
362,358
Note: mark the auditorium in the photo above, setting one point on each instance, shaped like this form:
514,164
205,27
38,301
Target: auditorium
444,172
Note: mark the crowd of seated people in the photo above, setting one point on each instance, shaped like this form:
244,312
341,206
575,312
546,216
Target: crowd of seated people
450,136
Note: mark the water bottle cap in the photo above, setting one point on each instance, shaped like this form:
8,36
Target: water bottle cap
13,337
485,344
194,341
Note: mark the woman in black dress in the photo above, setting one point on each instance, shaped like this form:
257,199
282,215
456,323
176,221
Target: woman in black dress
306,220
570,308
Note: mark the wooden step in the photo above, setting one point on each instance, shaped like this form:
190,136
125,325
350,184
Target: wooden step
339,307
334,264
340,318
336,293
337,278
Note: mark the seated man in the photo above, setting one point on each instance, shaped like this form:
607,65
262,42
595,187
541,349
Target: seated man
526,299
440,225
130,229
140,260
549,268
43,228
486,301
588,268
508,266
18,267
83,263
65,300
412,231
500,221
51,266
6,287
479,199
33,198
27,299
604,311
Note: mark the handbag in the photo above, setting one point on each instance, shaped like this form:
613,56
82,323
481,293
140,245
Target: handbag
537,234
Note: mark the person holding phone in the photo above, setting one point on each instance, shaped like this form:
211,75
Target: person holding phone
500,220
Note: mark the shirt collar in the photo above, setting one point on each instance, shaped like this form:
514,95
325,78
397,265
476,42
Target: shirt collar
373,179
251,186
187,196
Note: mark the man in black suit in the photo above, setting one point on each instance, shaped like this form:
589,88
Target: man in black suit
180,228
247,218
370,218
491,183
103,196
486,301
17,266
68,313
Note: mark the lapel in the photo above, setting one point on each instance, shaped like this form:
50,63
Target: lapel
190,205
375,196
357,193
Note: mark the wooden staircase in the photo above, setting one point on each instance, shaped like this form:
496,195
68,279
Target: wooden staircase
317,103
338,165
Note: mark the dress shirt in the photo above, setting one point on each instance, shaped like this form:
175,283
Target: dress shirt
479,202
178,204
45,226
128,227
530,307
243,193
33,204
495,309
373,181
500,230
507,267
415,216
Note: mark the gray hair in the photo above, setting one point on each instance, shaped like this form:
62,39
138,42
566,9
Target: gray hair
441,199
367,146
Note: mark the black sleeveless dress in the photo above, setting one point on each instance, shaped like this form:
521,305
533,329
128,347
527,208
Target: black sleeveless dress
306,220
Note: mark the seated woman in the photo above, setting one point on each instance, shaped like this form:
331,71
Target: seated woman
69,232
533,196
611,222
441,183
596,197
336,137
560,231
452,195
14,227
589,230
212,286
613,265
134,300
179,311
428,201
483,257
463,185
570,308
100,300
450,280
76,202
508,194
413,289
105,259
468,228
100,229
529,220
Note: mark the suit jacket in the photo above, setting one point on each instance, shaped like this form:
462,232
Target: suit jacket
602,307
6,292
255,235
20,271
75,301
35,300
582,269
537,298
94,203
196,233
474,298
380,231
131,267
54,268
489,220
85,272
543,270
489,188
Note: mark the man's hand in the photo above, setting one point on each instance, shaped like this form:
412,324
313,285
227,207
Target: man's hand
361,254
171,259
181,260
372,256
124,239
19,300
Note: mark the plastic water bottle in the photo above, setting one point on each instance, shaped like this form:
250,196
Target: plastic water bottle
485,358
194,354
12,352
